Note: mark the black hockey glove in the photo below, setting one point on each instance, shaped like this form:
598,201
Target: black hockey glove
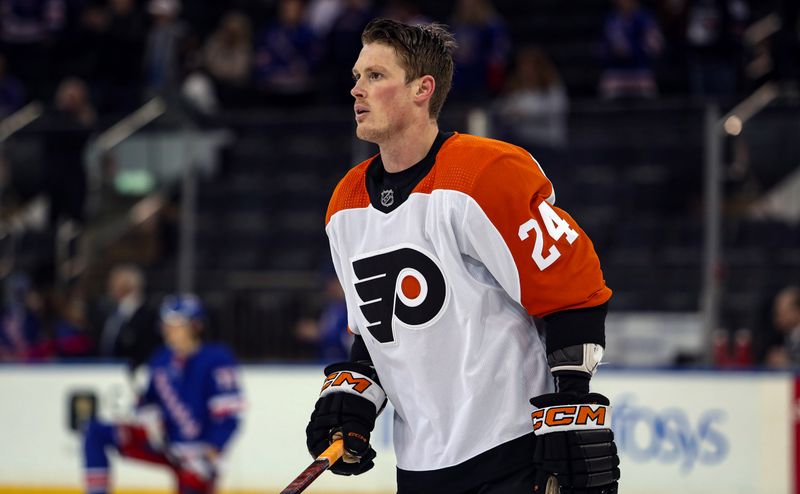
575,443
348,405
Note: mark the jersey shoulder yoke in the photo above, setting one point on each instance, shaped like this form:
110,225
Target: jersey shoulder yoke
351,192
479,165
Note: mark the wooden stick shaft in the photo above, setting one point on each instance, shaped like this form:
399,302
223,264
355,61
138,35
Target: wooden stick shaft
322,463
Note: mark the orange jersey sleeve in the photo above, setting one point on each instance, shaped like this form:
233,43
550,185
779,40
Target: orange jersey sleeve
553,258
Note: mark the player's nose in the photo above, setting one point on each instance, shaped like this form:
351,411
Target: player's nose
357,91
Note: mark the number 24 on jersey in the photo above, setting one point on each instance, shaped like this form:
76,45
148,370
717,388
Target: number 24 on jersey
556,227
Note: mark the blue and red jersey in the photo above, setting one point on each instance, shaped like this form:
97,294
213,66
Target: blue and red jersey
199,396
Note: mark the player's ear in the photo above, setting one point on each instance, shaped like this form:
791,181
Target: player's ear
424,86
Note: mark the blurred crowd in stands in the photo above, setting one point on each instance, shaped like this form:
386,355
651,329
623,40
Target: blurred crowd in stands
250,53
90,62
40,324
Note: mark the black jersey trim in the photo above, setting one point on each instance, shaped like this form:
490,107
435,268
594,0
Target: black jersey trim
489,465
576,327
401,183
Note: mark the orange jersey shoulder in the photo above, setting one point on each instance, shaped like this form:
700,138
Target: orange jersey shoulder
475,165
351,192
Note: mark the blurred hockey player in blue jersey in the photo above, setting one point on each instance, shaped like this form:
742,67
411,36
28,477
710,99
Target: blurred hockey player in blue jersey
193,389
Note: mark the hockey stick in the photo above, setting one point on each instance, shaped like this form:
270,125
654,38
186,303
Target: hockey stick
323,461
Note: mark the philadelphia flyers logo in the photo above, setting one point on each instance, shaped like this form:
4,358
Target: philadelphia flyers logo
403,283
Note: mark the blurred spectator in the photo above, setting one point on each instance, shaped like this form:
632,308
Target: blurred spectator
321,15
12,93
533,108
27,30
19,328
63,327
632,41
785,349
328,334
72,99
65,181
714,30
287,55
23,218
228,57
198,91
164,45
342,47
127,327
481,56
229,51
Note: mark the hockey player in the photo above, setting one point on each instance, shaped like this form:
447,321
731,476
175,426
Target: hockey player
446,245
194,387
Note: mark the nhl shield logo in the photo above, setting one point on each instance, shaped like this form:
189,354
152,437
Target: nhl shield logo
387,197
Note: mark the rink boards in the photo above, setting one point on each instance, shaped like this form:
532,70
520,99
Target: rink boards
678,431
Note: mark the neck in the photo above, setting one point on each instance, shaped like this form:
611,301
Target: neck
408,148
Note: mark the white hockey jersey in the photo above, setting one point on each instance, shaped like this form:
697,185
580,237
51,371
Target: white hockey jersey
443,289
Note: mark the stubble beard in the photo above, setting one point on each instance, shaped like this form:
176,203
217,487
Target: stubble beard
375,136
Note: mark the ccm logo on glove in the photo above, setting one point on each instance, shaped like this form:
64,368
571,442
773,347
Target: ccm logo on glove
354,383
359,384
570,417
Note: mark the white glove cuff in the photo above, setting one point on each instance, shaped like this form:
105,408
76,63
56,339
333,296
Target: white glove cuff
348,381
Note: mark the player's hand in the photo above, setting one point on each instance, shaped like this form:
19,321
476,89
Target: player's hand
575,443
350,401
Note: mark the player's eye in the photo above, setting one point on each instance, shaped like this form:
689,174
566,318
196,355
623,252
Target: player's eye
356,77
375,75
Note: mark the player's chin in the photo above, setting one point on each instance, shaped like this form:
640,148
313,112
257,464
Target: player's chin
366,133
